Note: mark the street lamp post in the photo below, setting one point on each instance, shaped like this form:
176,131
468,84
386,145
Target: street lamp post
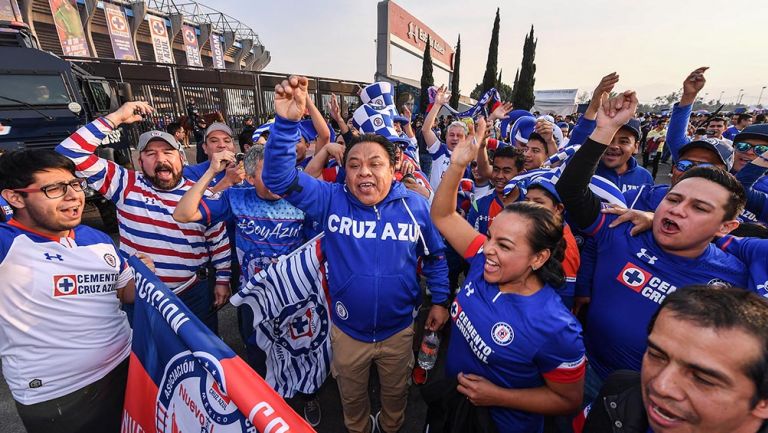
761,95
741,95
721,97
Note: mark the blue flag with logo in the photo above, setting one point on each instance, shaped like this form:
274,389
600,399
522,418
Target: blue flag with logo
183,378
290,319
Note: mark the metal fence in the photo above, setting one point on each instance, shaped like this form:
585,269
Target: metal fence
236,94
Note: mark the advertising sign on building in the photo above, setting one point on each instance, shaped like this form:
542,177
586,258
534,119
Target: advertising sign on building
190,46
160,41
66,17
119,33
410,34
218,52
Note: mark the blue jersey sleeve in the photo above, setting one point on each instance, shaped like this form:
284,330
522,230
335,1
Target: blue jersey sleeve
215,209
757,201
677,130
754,253
584,127
561,358
281,176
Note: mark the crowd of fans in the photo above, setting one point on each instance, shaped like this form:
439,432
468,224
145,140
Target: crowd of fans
574,288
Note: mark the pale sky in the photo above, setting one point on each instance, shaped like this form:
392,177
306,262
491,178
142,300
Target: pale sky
652,44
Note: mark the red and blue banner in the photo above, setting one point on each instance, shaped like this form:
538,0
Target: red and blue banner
183,378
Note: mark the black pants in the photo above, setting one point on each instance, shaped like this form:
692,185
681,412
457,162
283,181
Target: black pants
97,407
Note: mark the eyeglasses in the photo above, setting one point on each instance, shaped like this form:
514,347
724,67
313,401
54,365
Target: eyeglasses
743,146
57,190
686,164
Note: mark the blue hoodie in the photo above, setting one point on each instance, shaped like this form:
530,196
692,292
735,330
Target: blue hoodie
372,251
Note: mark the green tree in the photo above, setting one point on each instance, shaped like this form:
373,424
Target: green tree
514,86
455,93
489,79
527,79
427,80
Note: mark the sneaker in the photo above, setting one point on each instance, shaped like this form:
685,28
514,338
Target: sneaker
312,412
376,428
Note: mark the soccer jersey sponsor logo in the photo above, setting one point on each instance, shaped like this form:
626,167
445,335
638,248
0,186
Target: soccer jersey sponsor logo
64,285
502,334
84,284
645,283
479,347
633,277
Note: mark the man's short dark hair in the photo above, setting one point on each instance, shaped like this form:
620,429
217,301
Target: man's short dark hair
173,128
18,168
743,117
717,119
511,153
725,308
737,198
760,118
389,148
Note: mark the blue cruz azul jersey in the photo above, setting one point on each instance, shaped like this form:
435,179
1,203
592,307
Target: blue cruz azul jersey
264,229
513,341
632,277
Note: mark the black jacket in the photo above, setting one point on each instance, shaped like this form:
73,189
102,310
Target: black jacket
449,411
619,407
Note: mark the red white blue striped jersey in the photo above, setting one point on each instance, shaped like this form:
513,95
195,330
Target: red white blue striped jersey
145,214
61,327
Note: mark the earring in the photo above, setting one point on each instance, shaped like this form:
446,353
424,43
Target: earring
533,268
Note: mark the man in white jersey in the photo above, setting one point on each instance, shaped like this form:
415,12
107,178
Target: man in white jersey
64,342
145,201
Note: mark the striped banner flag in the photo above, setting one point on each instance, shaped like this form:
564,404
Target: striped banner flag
291,321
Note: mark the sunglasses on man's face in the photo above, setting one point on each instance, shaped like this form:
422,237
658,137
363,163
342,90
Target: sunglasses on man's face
686,164
743,146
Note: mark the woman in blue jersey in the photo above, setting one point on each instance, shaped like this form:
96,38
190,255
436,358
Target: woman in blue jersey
514,346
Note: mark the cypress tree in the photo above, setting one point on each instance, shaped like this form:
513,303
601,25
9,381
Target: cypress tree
427,80
455,78
514,85
489,79
498,80
526,81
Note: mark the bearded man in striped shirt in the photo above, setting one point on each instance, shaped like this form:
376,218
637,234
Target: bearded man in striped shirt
145,200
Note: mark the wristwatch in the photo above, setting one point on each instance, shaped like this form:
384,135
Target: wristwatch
445,304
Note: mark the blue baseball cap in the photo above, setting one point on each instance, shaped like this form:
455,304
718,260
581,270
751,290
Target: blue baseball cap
634,126
545,184
309,133
759,131
722,149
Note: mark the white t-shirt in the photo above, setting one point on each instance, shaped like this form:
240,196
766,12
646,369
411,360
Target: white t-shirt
61,327
441,159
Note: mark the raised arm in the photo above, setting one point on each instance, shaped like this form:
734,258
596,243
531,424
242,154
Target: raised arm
586,123
280,174
677,130
441,98
335,112
321,126
581,203
451,225
188,208
103,175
